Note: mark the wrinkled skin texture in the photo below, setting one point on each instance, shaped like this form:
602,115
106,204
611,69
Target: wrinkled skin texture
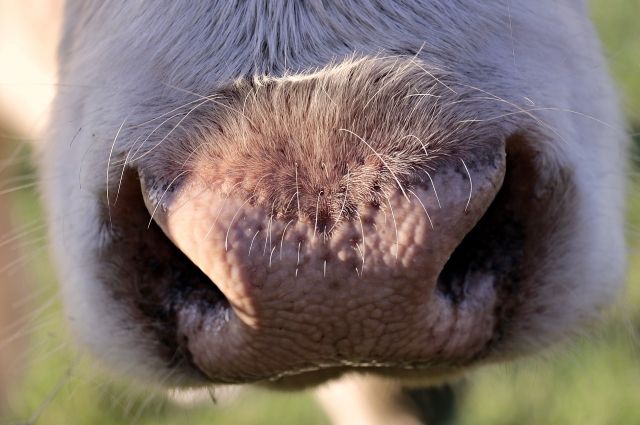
293,193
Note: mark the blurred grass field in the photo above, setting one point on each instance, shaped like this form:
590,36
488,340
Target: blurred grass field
595,380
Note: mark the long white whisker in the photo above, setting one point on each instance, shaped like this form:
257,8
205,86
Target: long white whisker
430,74
169,132
109,164
434,189
423,207
212,99
470,185
141,144
177,108
124,167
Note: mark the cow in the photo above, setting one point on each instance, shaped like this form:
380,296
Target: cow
356,196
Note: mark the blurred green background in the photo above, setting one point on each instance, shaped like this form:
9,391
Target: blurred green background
596,380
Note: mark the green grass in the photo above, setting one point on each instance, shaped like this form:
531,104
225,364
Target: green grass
595,380
617,21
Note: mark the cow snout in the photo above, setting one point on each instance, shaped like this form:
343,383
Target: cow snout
345,290
323,212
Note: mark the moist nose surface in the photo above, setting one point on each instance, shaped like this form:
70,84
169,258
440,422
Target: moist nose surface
360,292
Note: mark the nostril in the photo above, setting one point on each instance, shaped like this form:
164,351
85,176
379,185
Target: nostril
500,246
150,275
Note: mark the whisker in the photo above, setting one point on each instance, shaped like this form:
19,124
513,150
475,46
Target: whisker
271,255
212,395
18,188
8,181
162,197
28,327
154,147
124,167
426,153
212,99
215,220
22,232
115,139
380,158
389,81
298,260
267,237
13,157
423,207
470,185
328,96
150,397
395,226
30,298
315,224
177,108
513,46
433,76
344,202
298,192
497,98
282,238
434,189
286,208
226,239
244,123
251,244
12,265
32,318
54,392
363,241
141,144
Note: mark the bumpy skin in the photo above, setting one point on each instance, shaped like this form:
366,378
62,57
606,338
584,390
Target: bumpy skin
361,295
316,136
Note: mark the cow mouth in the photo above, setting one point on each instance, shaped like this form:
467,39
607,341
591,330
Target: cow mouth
217,333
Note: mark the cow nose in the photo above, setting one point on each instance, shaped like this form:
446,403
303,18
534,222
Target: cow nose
335,277
332,211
